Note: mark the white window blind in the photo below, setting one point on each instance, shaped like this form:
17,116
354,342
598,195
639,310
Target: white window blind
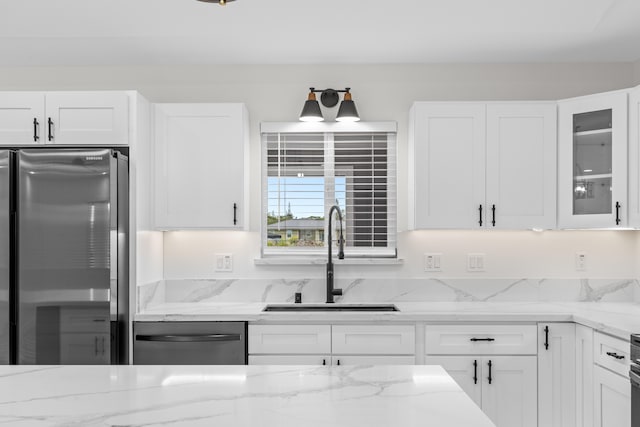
305,173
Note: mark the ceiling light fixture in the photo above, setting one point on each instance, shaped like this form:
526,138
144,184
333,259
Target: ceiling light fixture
329,97
220,2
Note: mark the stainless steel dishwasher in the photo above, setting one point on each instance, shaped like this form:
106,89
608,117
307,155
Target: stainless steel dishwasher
190,343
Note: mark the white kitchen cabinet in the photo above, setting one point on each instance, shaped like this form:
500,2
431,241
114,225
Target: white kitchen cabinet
289,339
379,344
592,161
373,339
521,165
612,399
201,166
556,374
446,173
503,386
64,118
634,157
289,359
584,376
612,353
481,339
21,118
483,165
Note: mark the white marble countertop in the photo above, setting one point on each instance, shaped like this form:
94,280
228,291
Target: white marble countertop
86,396
617,319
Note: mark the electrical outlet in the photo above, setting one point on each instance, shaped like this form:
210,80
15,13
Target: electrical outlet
432,262
224,262
581,261
475,262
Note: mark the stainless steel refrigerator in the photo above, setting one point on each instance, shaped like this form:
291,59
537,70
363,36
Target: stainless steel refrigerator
63,256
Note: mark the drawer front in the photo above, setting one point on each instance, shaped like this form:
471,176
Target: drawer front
611,353
481,339
374,339
293,339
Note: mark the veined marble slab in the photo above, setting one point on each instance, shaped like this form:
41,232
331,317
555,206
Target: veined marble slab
614,318
388,290
88,396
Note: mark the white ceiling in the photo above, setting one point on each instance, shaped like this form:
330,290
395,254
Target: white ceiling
119,32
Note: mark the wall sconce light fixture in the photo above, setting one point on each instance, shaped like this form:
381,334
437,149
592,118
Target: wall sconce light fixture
329,97
220,2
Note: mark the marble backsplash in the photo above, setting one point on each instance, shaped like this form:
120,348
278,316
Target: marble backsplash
389,290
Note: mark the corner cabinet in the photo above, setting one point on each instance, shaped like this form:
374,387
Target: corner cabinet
60,118
483,165
592,161
201,166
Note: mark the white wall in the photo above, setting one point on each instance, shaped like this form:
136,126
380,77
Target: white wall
381,92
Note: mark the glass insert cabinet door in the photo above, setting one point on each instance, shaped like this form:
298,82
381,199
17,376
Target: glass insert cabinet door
592,161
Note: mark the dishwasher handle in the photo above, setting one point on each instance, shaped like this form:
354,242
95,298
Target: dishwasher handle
189,338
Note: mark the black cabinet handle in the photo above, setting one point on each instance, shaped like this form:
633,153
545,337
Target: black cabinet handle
546,337
617,213
50,128
615,355
493,213
35,130
235,214
482,339
324,362
475,372
490,379
480,210
338,362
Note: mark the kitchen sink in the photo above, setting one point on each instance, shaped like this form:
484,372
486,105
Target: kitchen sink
331,307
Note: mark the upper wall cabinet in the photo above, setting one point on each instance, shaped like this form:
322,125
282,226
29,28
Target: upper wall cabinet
634,158
483,165
76,118
201,166
592,161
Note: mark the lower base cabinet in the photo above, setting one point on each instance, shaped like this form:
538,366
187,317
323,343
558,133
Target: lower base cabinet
612,399
503,386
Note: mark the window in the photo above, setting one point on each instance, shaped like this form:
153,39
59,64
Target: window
307,169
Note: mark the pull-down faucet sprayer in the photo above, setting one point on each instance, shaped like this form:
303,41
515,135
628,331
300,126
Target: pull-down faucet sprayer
331,292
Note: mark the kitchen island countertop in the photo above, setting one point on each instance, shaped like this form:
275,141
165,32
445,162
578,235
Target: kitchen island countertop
234,396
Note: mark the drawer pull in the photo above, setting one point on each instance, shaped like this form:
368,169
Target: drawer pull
490,377
546,337
475,372
615,355
482,339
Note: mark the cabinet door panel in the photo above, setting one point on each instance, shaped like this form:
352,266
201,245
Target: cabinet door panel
521,165
448,164
373,339
556,374
17,114
200,166
373,360
612,399
511,398
288,359
634,158
592,161
87,118
584,376
463,370
293,339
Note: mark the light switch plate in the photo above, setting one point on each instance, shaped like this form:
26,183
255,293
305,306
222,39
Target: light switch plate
433,262
224,262
475,262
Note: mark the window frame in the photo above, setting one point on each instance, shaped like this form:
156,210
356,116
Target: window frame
390,128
